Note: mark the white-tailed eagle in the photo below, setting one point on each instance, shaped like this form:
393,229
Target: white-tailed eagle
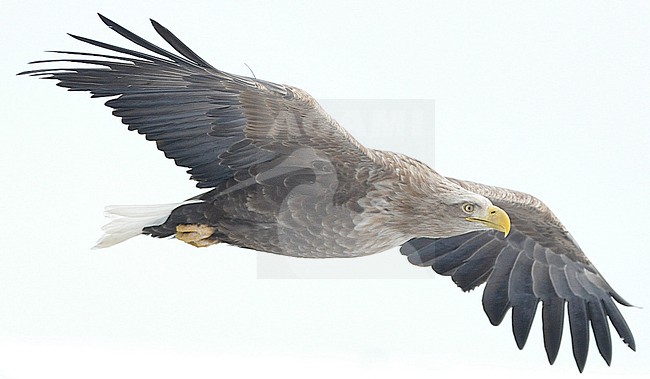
283,177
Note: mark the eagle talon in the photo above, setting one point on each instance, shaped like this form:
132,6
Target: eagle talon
196,235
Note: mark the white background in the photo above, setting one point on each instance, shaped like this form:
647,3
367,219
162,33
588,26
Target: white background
551,99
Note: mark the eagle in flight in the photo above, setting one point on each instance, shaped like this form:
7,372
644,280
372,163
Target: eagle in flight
283,177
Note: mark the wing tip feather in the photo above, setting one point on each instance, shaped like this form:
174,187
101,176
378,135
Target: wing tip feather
110,23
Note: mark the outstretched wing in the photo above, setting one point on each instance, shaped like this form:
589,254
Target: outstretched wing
207,120
537,261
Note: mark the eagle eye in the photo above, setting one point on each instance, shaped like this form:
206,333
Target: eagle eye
468,208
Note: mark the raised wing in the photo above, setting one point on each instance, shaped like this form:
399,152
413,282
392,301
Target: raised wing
537,261
212,122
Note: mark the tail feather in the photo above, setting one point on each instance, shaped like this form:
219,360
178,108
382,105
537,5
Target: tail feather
129,220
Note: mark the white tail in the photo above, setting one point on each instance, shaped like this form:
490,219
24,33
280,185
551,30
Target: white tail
129,220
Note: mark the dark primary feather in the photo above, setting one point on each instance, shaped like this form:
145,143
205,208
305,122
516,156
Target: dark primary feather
537,262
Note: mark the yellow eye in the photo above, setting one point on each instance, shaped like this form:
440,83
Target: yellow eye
468,208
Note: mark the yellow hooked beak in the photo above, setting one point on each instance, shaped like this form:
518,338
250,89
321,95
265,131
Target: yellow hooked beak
496,218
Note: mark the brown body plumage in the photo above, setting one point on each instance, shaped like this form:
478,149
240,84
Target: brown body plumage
309,204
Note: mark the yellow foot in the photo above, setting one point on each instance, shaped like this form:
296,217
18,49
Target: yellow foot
195,234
